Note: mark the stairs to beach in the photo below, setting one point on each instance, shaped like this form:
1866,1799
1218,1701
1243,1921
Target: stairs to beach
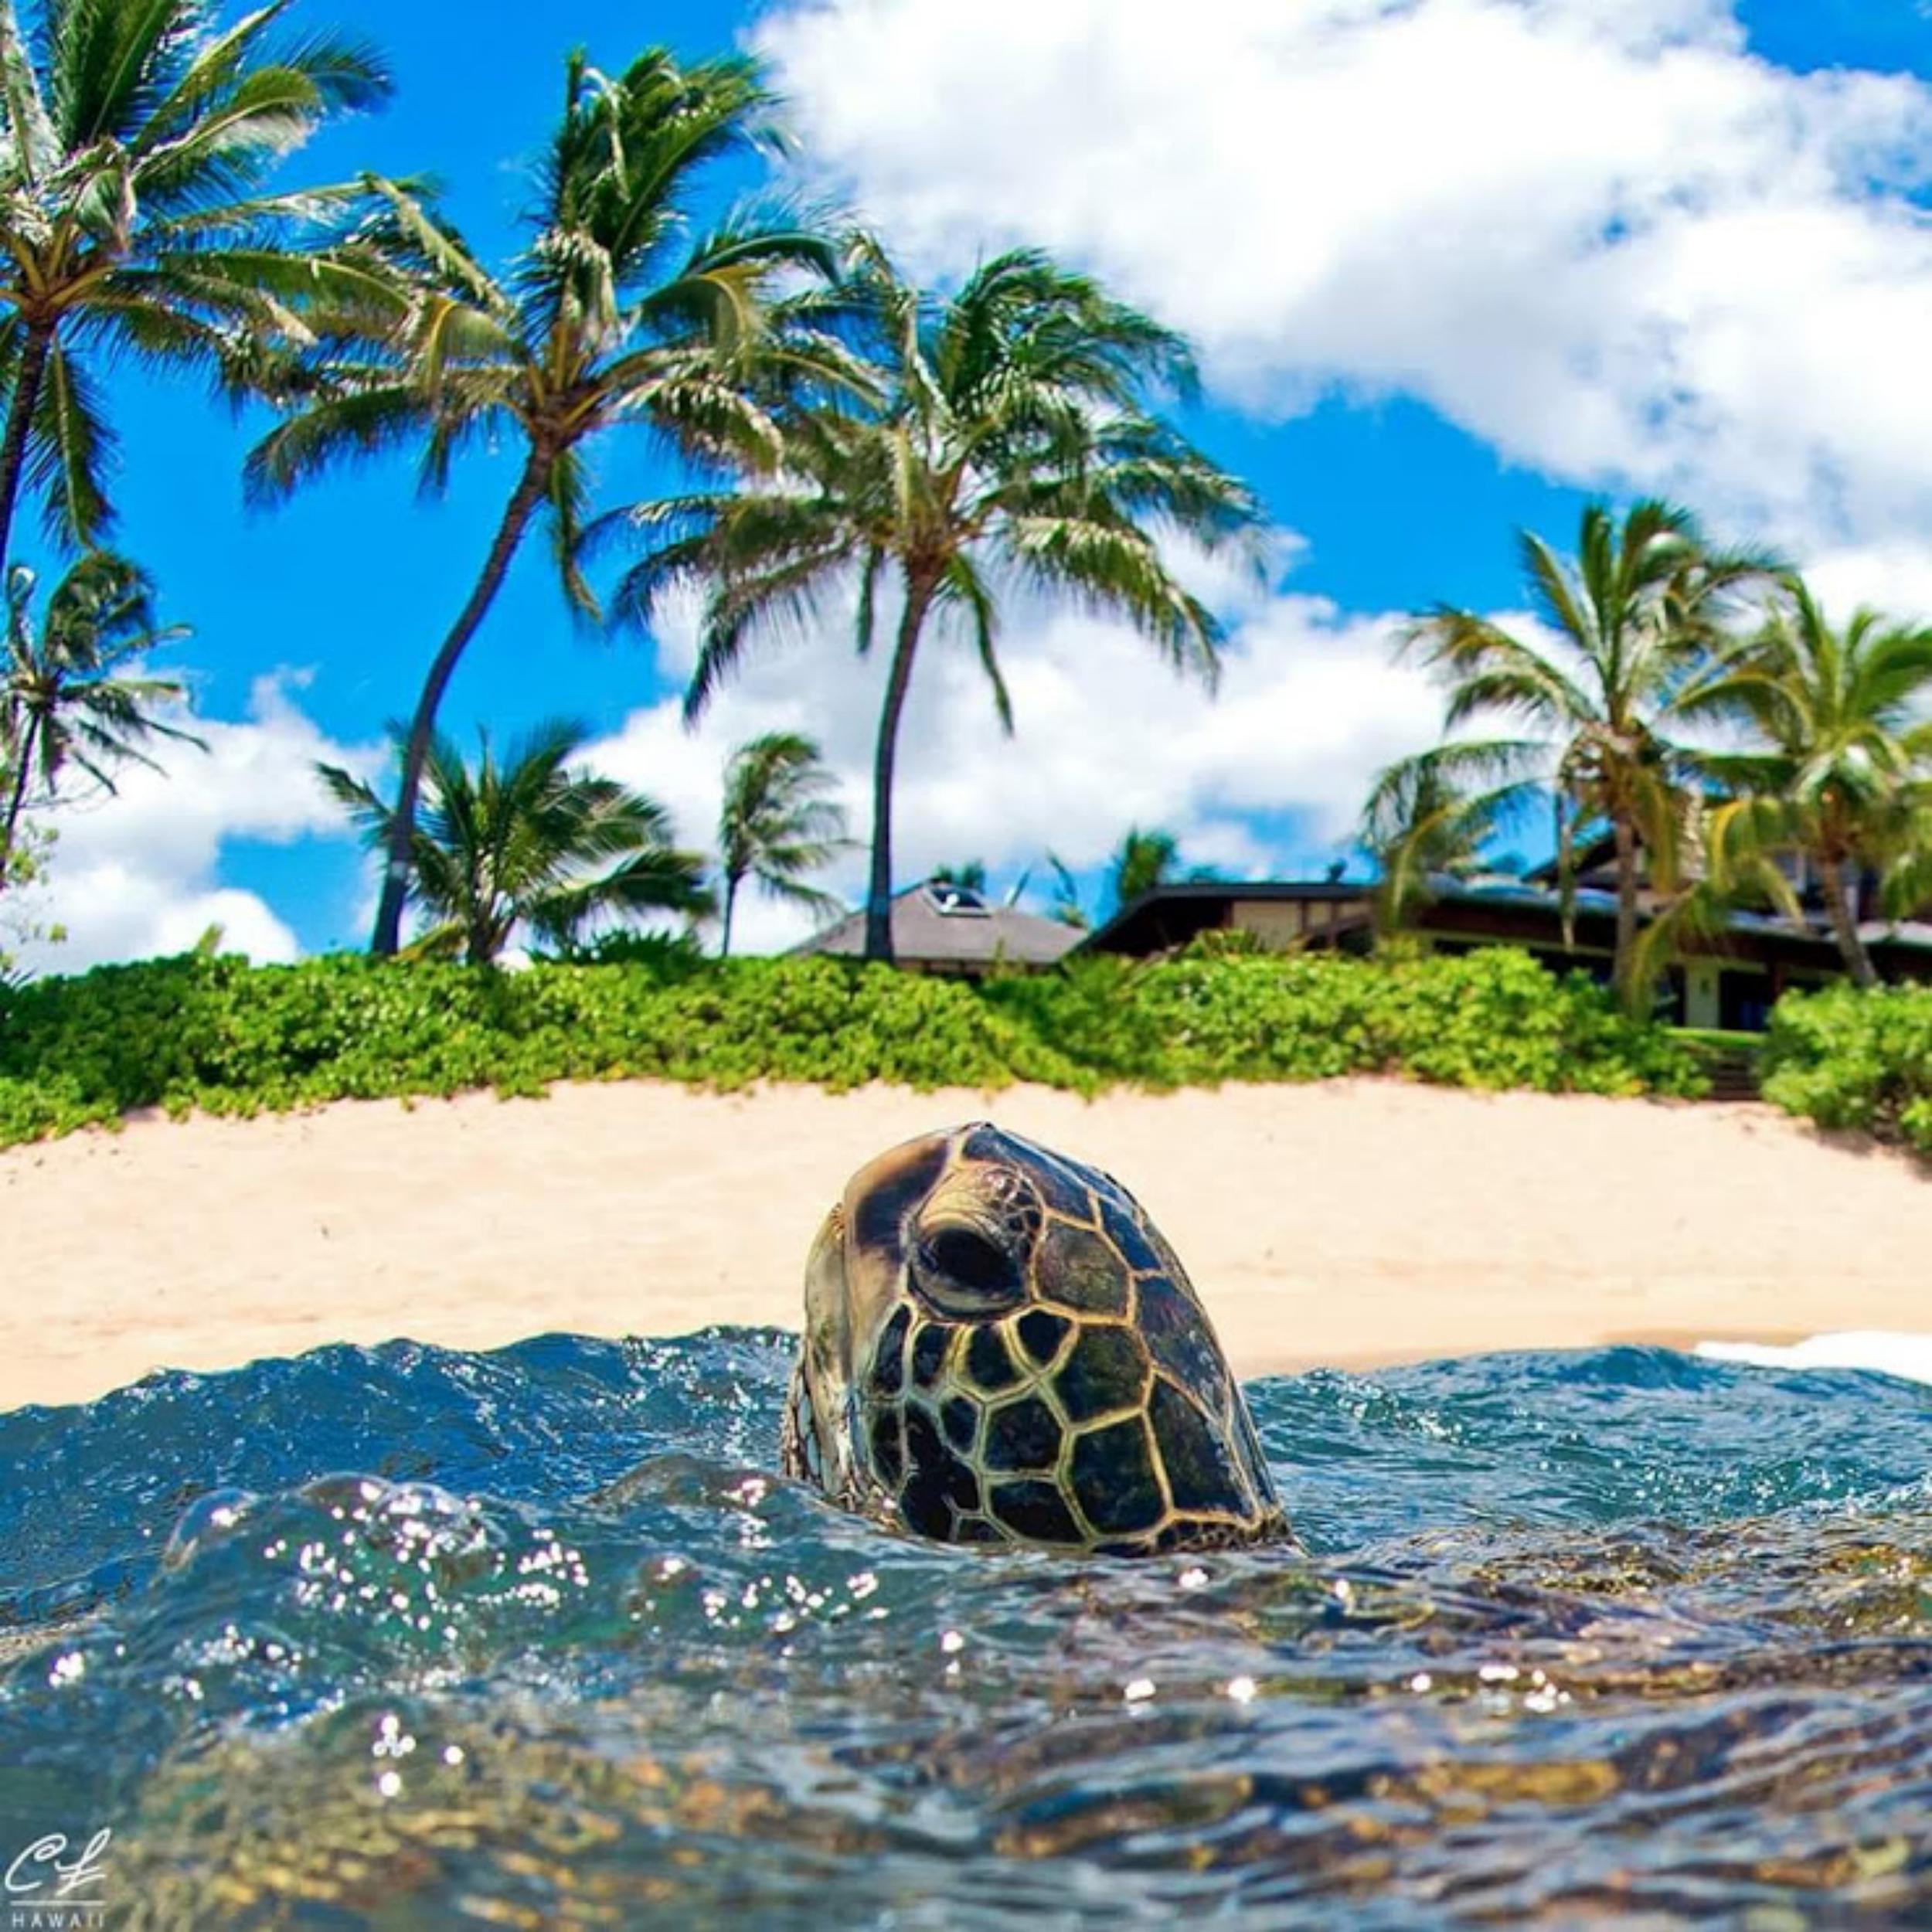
1734,1075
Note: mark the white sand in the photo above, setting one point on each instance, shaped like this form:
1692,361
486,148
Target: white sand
1358,1221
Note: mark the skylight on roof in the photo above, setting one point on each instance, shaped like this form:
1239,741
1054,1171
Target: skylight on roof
957,901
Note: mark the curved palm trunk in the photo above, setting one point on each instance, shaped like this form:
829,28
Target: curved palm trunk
396,875
1844,929
16,801
730,900
1566,874
879,895
1623,969
35,349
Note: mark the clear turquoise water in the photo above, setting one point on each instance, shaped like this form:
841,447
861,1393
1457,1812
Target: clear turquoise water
409,1638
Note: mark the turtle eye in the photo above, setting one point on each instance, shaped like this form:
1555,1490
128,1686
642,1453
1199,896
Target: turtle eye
961,1271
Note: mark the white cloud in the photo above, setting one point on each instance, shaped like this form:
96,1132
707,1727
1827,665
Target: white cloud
1310,706
1894,576
135,872
1600,234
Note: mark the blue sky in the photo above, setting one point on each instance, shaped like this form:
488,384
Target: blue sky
1416,341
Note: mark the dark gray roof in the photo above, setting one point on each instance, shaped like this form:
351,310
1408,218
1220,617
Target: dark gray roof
1141,928
1138,927
924,935
1912,935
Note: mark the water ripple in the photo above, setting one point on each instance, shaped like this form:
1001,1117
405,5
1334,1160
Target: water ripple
538,1638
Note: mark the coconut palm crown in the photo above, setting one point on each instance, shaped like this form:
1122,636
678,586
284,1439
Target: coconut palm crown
71,693
1142,861
527,840
1009,445
777,824
137,137
615,310
1626,626
1420,827
1842,771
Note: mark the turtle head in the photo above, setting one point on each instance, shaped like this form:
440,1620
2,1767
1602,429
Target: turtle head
923,1226
999,1347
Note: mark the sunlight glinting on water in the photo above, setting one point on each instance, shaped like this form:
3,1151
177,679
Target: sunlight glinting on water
1629,1632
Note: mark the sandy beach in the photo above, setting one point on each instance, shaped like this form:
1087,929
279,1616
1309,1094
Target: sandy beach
1352,1223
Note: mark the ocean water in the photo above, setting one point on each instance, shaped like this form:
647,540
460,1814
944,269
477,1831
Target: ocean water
401,1637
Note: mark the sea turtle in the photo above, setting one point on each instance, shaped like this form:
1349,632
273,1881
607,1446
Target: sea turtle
1000,1347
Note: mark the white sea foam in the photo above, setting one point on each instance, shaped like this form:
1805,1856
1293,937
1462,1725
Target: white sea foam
1885,1352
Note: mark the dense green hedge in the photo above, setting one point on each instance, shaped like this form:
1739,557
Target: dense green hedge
222,1035
1846,1058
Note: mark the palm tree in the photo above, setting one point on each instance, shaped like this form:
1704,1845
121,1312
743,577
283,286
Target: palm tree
777,824
1145,860
135,138
609,313
1010,445
521,842
1631,621
1142,861
1066,906
1419,824
66,697
1843,771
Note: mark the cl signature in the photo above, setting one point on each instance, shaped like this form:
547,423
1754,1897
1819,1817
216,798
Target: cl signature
69,1876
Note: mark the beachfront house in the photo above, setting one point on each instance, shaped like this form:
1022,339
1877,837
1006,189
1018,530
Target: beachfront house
940,927
1730,978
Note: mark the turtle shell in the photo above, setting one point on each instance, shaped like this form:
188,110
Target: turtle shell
1021,1358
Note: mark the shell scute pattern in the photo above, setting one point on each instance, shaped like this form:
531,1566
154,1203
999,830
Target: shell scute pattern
887,1437
1169,1265
990,1366
1247,1443
1024,1433
889,1359
1034,1512
1078,1268
1106,1370
940,1485
1200,1467
1114,1479
1127,1235
959,1419
1041,1333
1177,1341
1024,1362
931,1344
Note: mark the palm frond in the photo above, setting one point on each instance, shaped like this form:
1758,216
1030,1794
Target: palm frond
333,433
525,839
962,586
71,451
67,688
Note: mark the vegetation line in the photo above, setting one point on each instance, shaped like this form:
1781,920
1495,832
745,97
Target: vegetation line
854,459
219,1035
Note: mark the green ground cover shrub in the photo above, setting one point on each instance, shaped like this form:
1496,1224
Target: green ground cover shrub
219,1035
1861,1060
1493,1018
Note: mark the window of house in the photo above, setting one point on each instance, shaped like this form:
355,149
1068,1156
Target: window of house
957,901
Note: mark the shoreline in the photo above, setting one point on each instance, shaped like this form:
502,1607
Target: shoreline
1352,1224
1683,1341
